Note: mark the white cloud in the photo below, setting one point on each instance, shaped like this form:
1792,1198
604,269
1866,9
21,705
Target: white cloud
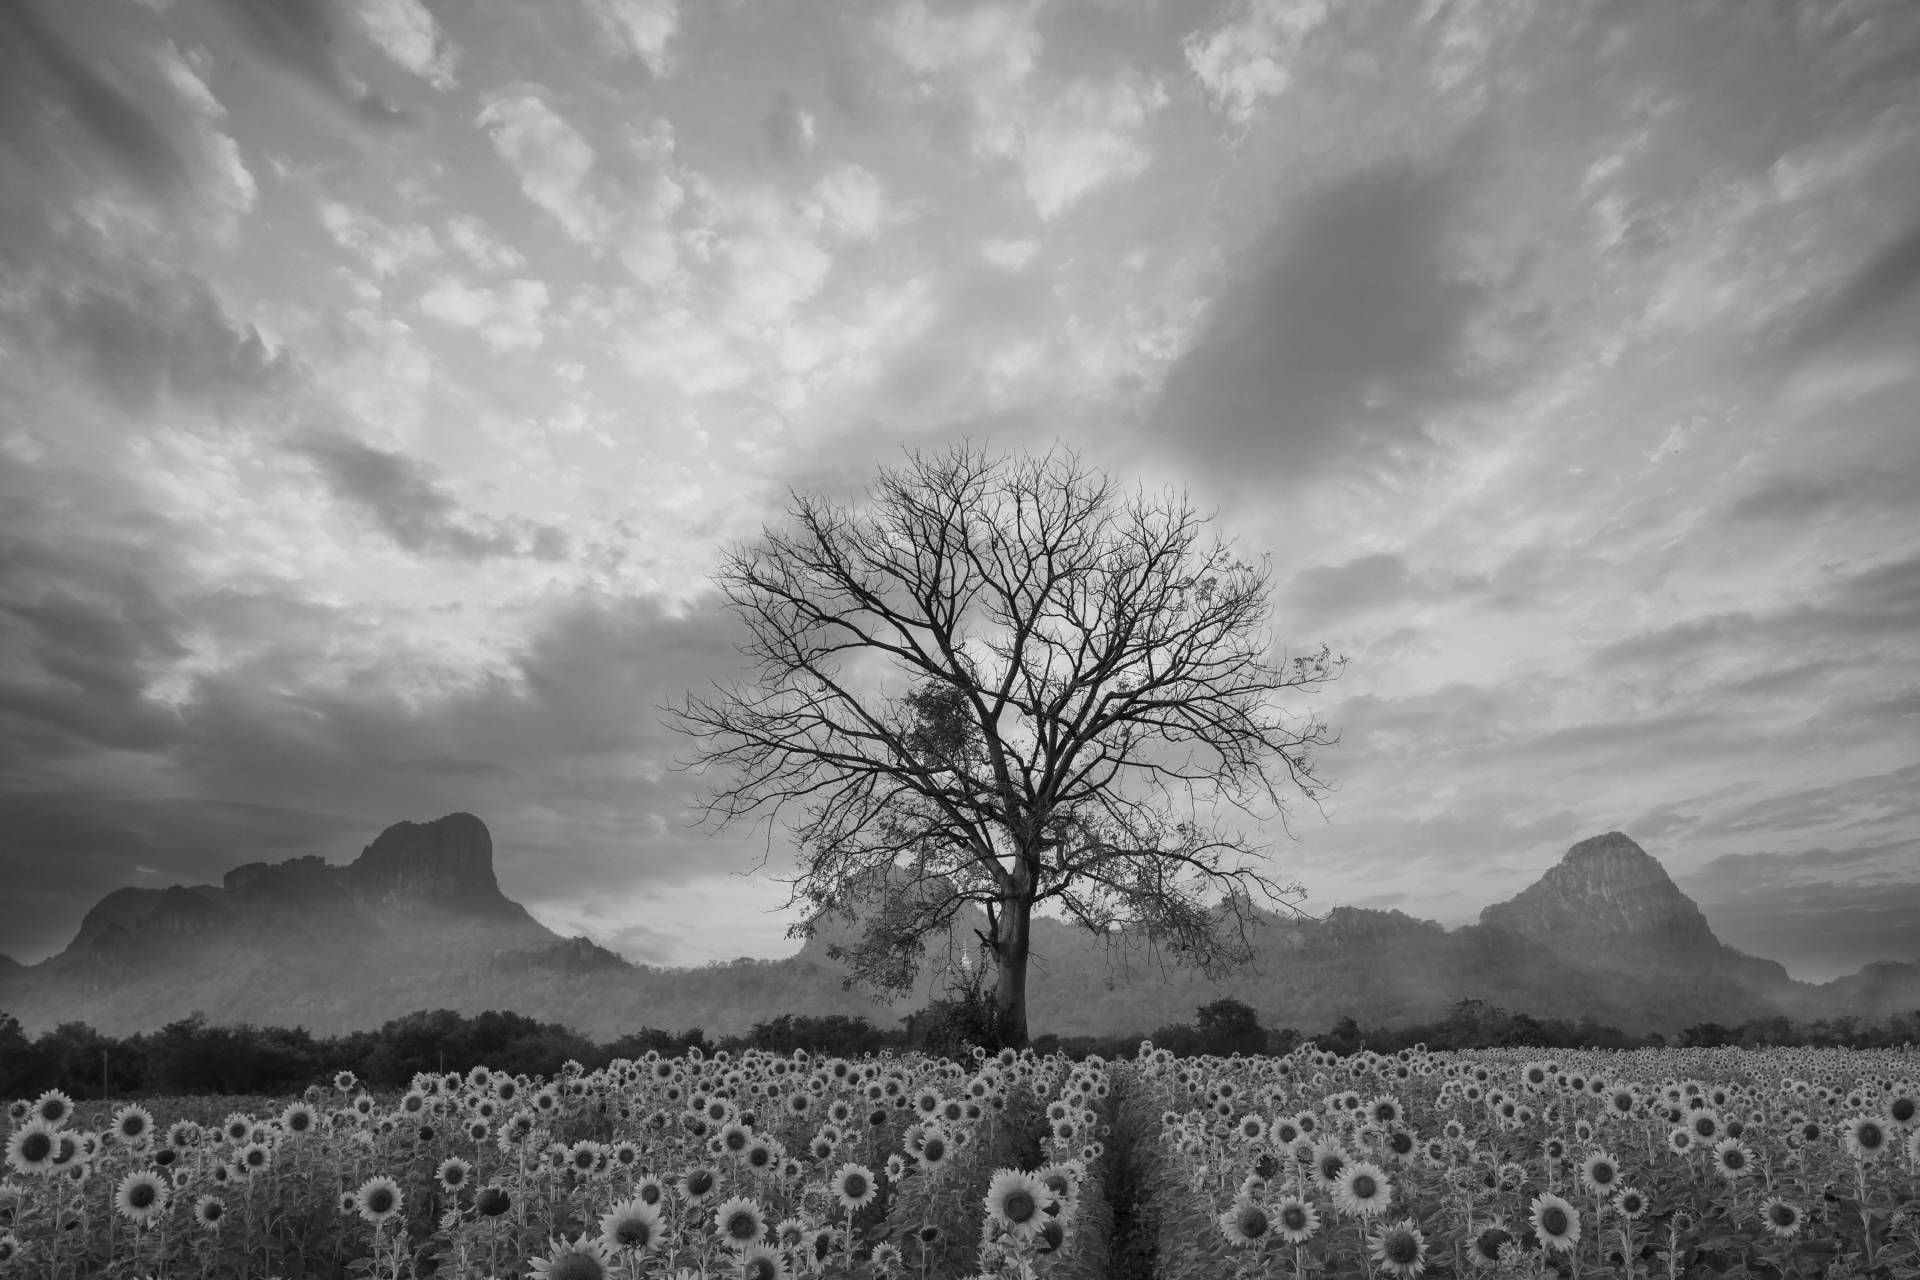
553,161
385,249
470,236
221,174
639,27
773,260
992,47
406,31
1010,255
1080,138
651,193
510,318
1066,140
1249,59
850,202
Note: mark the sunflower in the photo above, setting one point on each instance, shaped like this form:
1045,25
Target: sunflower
1866,1138
298,1118
632,1224
583,1259
1329,1161
491,1202
133,1125
32,1147
1245,1224
761,1261
378,1199
53,1108
1488,1243
1680,1141
1630,1203
9,1247
1556,1222
933,1150
454,1173
1294,1220
1400,1249
1782,1217
739,1222
1014,1200
209,1210
1732,1158
1363,1190
854,1187
142,1196
697,1183
1600,1173
1705,1125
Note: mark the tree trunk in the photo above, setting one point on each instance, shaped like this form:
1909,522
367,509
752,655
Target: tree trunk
1011,944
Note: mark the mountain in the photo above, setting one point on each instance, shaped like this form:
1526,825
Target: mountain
1609,906
418,921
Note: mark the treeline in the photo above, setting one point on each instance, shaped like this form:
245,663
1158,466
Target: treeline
192,1056
1229,1026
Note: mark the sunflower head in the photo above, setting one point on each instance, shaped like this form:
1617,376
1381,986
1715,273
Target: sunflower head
1556,1222
1783,1217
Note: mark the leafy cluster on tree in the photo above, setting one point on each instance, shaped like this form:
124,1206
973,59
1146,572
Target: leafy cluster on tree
1009,683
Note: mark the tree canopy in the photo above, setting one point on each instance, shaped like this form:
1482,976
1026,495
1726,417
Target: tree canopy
1010,683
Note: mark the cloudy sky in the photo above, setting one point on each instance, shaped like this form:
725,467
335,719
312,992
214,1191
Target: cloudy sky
383,378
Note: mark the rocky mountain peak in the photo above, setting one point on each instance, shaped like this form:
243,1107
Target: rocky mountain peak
1606,891
446,863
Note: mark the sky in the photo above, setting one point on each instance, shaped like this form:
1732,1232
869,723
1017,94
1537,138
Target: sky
383,379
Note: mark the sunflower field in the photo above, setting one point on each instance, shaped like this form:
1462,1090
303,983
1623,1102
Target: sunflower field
1652,1163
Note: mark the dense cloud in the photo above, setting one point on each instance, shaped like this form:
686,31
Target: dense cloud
1331,335
300,40
403,498
1562,362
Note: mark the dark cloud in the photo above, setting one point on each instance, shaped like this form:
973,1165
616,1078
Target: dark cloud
564,755
148,335
1744,812
1787,497
61,852
1797,497
1384,579
84,631
299,39
1877,604
788,129
1870,297
1333,334
1821,912
402,496
44,79
566,758
1367,582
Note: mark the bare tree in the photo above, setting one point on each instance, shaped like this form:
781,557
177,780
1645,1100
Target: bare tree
1005,682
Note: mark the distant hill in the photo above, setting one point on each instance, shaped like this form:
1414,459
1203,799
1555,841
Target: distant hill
418,921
